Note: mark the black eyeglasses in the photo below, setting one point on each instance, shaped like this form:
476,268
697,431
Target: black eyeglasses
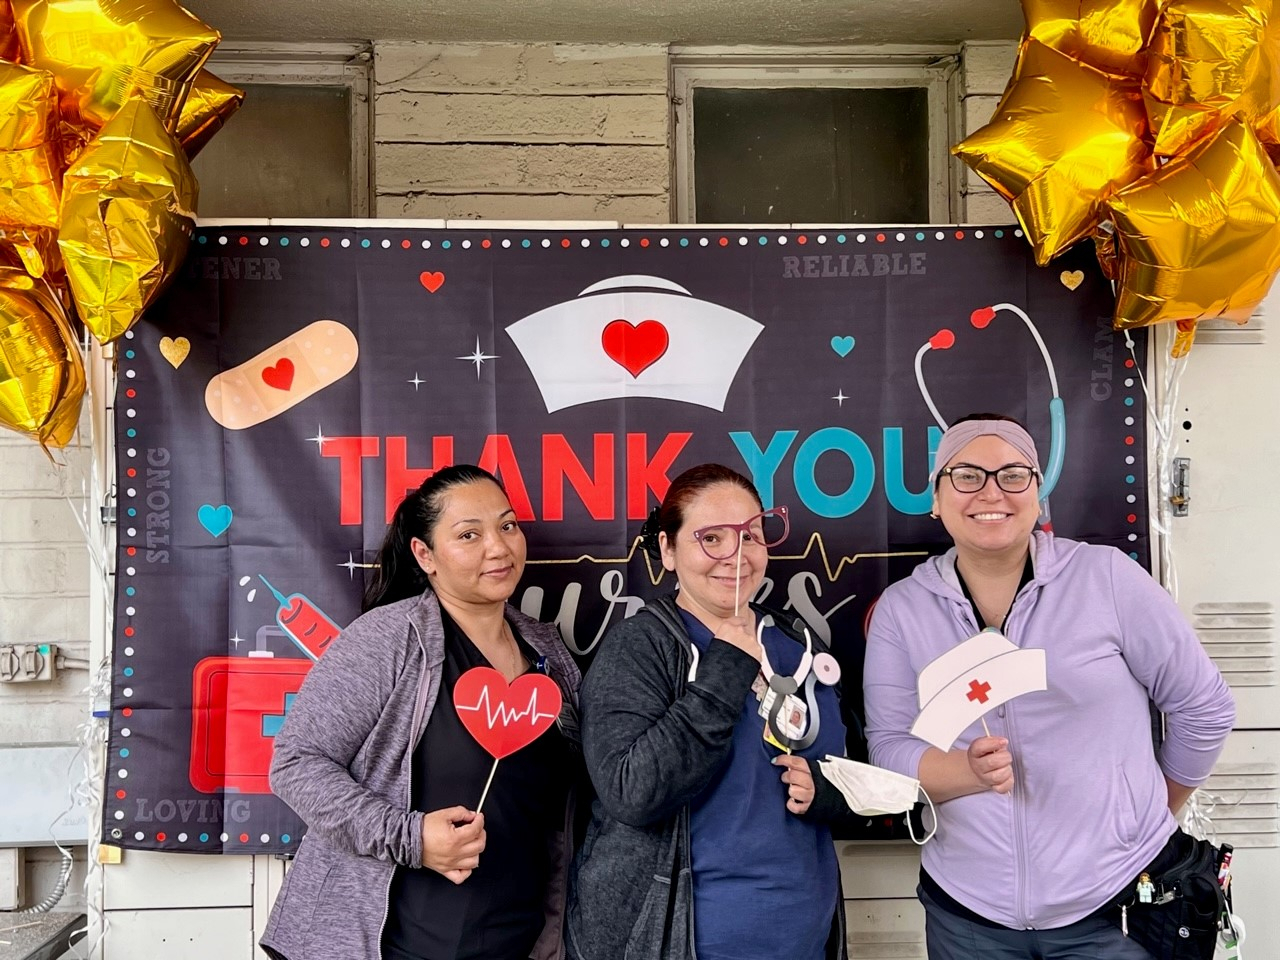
1011,478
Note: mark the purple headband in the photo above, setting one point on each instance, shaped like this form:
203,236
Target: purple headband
960,435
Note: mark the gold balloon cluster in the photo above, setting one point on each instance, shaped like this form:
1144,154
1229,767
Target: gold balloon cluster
102,105
1150,125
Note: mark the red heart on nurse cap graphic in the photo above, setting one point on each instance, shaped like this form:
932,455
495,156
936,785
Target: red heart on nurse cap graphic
635,347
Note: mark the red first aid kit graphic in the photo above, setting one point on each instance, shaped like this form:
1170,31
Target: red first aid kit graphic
238,705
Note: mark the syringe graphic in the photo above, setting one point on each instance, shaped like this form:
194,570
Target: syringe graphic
303,622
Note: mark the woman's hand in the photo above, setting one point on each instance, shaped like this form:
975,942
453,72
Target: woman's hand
799,781
992,763
452,840
741,632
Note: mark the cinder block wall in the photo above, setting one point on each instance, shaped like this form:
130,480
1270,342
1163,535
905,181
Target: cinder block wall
44,598
522,131
987,66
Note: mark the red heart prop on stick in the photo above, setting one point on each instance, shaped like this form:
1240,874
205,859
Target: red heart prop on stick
432,281
280,376
505,717
635,347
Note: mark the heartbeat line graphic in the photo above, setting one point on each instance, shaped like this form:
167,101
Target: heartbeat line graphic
657,572
506,715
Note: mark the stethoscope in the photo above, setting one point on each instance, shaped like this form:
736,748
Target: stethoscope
813,668
944,339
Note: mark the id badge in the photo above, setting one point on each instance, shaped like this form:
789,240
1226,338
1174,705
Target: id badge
792,721
766,703
759,686
770,739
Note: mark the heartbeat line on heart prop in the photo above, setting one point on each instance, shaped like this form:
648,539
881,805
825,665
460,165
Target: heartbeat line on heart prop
505,717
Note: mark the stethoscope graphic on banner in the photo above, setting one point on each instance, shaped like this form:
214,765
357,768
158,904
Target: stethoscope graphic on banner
944,339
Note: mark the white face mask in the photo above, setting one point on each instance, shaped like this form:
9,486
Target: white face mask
874,791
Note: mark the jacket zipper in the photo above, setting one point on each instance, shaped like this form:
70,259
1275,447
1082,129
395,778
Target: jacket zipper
1018,807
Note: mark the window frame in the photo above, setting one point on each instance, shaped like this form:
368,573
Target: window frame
347,65
935,68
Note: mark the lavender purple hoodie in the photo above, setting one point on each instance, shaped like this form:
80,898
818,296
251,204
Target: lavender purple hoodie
1089,810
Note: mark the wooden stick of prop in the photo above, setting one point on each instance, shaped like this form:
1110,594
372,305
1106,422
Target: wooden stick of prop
487,784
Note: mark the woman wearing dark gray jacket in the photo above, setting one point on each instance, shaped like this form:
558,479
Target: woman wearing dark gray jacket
397,863
706,839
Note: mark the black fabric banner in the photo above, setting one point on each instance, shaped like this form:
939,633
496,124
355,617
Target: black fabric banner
295,382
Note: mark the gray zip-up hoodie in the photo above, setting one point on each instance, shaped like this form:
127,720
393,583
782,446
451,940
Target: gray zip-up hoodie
343,761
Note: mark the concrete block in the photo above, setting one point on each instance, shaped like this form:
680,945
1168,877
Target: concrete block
52,619
599,67
502,118
988,65
31,714
36,521
978,112
32,571
556,206
409,67
598,169
987,208
410,167
27,470
44,866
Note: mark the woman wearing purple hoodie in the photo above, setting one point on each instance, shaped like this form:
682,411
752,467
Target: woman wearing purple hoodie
1044,823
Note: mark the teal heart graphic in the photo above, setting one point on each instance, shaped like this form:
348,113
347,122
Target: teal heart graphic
214,519
842,345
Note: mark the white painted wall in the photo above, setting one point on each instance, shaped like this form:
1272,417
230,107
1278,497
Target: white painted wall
44,588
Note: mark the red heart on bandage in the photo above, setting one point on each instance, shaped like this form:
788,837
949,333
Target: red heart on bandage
432,281
635,347
280,376
505,717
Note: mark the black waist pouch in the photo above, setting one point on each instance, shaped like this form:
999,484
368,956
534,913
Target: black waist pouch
1181,922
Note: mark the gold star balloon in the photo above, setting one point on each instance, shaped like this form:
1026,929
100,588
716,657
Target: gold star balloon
41,374
209,105
128,212
1209,61
30,163
106,52
8,33
1200,237
1108,34
1063,138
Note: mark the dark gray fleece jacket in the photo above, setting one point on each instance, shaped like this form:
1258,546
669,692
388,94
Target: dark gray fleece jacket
652,741
342,761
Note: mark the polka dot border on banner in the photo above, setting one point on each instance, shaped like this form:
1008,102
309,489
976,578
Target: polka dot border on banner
320,240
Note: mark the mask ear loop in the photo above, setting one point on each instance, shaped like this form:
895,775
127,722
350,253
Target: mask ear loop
933,815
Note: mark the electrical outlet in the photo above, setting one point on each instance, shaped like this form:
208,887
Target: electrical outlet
28,662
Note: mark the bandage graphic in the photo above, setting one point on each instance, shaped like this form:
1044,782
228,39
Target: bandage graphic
282,376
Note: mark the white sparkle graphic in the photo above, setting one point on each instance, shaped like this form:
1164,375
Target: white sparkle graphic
351,565
318,439
237,640
477,358
840,398
415,381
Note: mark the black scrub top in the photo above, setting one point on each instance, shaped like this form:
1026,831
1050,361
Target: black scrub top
497,913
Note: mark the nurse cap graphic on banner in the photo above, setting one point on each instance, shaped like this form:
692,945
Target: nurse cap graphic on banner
634,336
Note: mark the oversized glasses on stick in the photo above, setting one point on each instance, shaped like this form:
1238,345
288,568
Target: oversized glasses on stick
720,541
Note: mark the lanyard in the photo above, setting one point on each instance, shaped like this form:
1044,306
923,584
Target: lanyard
1028,572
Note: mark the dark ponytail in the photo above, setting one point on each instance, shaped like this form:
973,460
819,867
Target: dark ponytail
398,576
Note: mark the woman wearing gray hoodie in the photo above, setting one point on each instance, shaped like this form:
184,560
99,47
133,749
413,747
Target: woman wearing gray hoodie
397,862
